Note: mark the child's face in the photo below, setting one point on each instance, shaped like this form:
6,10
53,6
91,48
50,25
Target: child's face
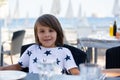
47,36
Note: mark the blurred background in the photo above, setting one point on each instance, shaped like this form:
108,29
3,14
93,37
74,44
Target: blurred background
84,15
78,17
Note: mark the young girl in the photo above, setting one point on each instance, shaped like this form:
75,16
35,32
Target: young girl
49,40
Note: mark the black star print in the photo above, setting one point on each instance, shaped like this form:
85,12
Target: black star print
29,53
60,48
67,57
58,61
20,63
39,47
47,53
35,60
31,72
63,71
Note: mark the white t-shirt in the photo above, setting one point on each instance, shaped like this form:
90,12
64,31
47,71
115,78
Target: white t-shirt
35,53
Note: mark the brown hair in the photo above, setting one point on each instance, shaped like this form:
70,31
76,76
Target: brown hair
52,22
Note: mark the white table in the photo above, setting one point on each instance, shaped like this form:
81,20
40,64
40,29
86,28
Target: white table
33,76
95,41
99,43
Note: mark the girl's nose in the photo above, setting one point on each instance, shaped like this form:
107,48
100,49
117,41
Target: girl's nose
47,33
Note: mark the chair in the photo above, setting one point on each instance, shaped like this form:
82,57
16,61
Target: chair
15,45
113,57
78,55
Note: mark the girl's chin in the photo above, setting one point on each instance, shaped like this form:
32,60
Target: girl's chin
48,46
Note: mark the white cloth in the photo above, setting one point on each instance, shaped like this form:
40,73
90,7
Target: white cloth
35,53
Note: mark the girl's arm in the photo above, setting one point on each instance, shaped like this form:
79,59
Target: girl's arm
74,71
11,67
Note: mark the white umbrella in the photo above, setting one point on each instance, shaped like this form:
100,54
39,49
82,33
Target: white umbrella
116,8
55,9
69,13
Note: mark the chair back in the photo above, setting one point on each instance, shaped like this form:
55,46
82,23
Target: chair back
113,57
78,55
17,41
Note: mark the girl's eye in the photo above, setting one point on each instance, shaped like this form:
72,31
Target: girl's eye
41,31
51,30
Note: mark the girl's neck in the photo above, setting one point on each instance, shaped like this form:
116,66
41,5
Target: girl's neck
49,46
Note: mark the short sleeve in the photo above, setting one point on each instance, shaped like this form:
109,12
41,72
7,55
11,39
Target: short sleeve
69,61
24,59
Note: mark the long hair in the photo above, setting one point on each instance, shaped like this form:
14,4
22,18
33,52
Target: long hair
52,22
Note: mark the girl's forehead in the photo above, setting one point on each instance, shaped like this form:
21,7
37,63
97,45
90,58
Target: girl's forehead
43,27
40,26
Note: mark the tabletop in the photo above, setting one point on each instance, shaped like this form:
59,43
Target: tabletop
98,41
32,76
107,42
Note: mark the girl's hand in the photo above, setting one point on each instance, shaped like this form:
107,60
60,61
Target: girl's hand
74,71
